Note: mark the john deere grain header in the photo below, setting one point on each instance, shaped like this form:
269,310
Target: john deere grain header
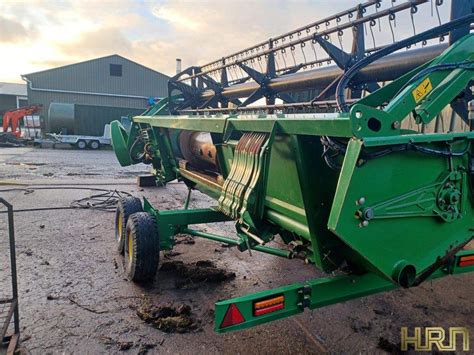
349,139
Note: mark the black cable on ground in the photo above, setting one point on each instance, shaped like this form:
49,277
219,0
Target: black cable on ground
41,209
106,201
54,187
68,184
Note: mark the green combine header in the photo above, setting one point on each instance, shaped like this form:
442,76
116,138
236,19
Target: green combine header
367,180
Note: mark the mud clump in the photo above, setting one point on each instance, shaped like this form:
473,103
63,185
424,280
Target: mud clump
388,346
170,254
184,239
169,318
198,272
359,326
125,345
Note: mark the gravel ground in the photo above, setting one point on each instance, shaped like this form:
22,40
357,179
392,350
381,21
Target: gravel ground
74,298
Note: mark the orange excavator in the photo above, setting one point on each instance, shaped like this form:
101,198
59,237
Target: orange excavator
12,118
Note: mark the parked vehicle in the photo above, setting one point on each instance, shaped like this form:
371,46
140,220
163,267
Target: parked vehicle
77,141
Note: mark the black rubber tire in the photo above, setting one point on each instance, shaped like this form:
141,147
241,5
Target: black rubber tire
126,206
81,144
94,145
142,248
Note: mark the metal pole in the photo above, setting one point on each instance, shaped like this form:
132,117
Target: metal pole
273,251
471,115
460,8
452,123
231,241
11,233
215,237
188,198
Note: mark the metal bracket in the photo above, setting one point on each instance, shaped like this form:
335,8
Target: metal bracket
305,294
443,199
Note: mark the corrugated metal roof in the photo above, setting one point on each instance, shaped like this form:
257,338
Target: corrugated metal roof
13,89
94,78
91,60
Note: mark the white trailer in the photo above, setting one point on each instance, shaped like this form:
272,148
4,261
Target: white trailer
78,141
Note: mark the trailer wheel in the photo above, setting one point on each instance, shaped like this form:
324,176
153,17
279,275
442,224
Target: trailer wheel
142,248
126,206
94,145
81,144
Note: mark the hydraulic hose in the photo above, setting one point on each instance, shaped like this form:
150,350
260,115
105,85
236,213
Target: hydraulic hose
429,34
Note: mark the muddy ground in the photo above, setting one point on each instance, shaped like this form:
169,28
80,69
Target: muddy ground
74,298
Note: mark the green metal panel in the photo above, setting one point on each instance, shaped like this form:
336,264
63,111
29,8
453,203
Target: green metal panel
315,124
119,142
416,237
336,125
318,185
283,187
192,123
417,138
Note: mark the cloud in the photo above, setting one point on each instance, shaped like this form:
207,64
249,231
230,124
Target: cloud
12,31
216,28
175,18
103,41
51,63
40,34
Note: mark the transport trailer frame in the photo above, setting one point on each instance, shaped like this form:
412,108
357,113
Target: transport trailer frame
76,140
262,307
357,192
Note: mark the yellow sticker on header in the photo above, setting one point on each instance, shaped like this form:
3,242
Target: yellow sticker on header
422,90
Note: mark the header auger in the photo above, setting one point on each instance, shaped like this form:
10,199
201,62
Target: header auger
371,175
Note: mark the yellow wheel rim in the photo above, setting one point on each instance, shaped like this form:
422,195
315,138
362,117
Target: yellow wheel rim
130,246
119,226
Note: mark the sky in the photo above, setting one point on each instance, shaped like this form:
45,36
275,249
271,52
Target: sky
41,34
